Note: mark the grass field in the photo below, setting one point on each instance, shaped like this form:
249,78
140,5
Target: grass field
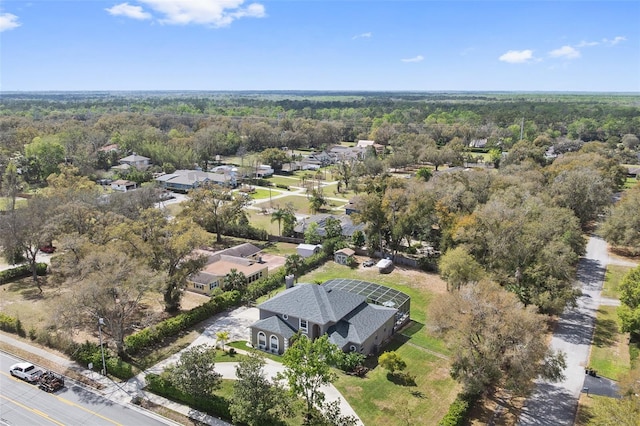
630,183
376,398
262,221
610,350
613,277
5,203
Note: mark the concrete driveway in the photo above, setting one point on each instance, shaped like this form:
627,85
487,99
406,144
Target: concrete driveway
236,323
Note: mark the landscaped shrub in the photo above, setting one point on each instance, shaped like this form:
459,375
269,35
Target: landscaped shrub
458,411
8,323
21,271
90,353
161,385
282,186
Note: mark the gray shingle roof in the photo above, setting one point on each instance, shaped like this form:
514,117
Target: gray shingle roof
275,325
317,304
360,324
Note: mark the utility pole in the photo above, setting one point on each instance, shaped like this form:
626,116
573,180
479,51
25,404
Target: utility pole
104,365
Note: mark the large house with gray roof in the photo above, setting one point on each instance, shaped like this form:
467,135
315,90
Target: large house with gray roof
313,310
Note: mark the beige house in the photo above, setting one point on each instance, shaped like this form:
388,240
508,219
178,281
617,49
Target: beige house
244,258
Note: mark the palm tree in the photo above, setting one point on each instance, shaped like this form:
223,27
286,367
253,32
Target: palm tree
278,215
234,280
222,337
293,264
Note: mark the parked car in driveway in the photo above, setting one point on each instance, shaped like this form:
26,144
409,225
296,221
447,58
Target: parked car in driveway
368,263
47,249
25,371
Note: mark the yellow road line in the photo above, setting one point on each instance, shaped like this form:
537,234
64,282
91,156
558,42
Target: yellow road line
38,412
66,401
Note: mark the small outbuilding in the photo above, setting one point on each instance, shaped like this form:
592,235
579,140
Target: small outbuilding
308,250
342,256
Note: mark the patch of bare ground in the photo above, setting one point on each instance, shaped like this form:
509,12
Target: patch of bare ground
422,280
622,254
168,413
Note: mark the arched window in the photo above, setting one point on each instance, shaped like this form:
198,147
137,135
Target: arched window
274,343
262,340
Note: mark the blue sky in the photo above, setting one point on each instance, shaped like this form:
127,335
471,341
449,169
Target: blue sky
320,45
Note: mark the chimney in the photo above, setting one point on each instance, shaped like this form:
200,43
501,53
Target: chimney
288,280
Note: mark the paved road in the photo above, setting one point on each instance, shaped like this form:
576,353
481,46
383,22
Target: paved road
555,404
22,403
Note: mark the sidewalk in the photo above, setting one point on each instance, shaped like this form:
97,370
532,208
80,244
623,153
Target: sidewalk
121,393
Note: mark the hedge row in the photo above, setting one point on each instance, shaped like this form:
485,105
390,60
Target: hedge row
458,411
216,406
172,326
21,271
90,353
11,325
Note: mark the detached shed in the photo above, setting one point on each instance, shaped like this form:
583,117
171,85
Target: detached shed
342,256
307,250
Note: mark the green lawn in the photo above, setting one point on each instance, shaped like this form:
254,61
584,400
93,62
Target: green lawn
280,249
285,180
630,183
377,398
613,277
300,203
262,221
5,202
263,193
610,350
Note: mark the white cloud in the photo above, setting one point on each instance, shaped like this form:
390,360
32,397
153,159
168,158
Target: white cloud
418,58
615,41
363,35
517,56
8,21
218,13
588,43
125,9
567,52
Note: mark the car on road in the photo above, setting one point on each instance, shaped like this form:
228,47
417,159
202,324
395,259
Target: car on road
25,371
47,249
368,263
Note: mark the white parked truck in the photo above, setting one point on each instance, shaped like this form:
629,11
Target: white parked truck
26,371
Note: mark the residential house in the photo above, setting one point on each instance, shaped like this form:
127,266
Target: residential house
364,144
186,180
134,160
123,185
348,227
342,256
478,143
321,158
307,250
243,258
264,170
351,207
313,310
